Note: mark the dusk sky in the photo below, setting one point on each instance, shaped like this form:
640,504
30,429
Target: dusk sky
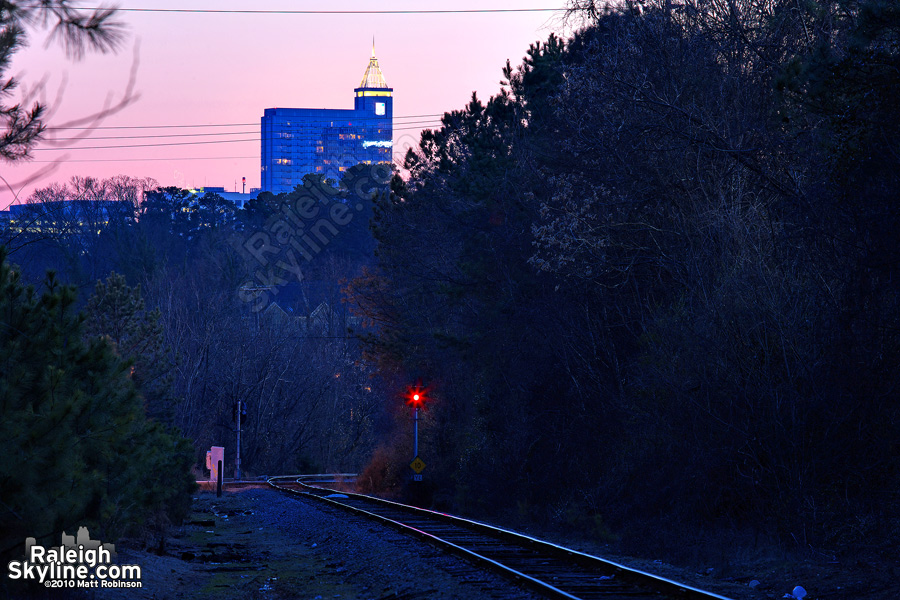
209,69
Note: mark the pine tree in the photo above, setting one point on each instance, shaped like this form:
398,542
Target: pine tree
118,313
76,447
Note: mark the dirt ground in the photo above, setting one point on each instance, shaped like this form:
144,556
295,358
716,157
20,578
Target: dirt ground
256,543
766,574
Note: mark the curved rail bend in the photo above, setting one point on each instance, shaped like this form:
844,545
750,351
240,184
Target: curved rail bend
544,567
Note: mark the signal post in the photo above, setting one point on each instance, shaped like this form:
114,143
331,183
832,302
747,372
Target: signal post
415,396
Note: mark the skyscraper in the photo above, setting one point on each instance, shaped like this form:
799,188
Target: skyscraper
325,141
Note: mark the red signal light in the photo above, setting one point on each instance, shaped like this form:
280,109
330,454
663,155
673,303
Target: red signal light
416,395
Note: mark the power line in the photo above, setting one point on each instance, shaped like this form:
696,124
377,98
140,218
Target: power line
147,126
333,12
141,137
144,145
183,158
438,124
180,135
157,159
211,124
168,144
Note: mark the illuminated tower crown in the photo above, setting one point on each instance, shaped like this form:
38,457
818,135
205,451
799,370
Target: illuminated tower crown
373,94
373,78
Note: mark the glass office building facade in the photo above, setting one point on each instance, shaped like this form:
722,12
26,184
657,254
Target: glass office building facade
323,141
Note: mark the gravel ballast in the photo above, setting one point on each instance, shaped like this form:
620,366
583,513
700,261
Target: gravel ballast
257,543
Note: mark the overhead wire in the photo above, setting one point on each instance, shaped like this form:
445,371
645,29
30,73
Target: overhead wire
99,127
160,145
167,135
417,125
141,137
182,158
331,12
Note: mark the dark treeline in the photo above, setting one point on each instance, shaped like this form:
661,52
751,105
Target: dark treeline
77,446
654,281
180,307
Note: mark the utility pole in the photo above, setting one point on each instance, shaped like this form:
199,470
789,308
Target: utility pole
237,460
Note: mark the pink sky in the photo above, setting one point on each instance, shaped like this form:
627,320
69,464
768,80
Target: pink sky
211,69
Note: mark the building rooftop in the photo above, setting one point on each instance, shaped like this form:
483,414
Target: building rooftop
373,77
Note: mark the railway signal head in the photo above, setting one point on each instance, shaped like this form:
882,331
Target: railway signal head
239,406
416,395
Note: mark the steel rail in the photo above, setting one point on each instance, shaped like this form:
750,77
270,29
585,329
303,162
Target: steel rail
536,584
660,584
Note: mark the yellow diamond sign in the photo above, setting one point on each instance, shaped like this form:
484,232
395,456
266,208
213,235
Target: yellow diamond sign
417,465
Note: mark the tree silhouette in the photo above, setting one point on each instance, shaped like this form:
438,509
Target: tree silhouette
77,446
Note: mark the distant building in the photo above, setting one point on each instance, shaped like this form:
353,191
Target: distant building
60,217
239,199
324,141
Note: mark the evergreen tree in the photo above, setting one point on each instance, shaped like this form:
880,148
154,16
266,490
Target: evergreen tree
77,449
117,312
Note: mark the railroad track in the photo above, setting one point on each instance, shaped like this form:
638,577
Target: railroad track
545,568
